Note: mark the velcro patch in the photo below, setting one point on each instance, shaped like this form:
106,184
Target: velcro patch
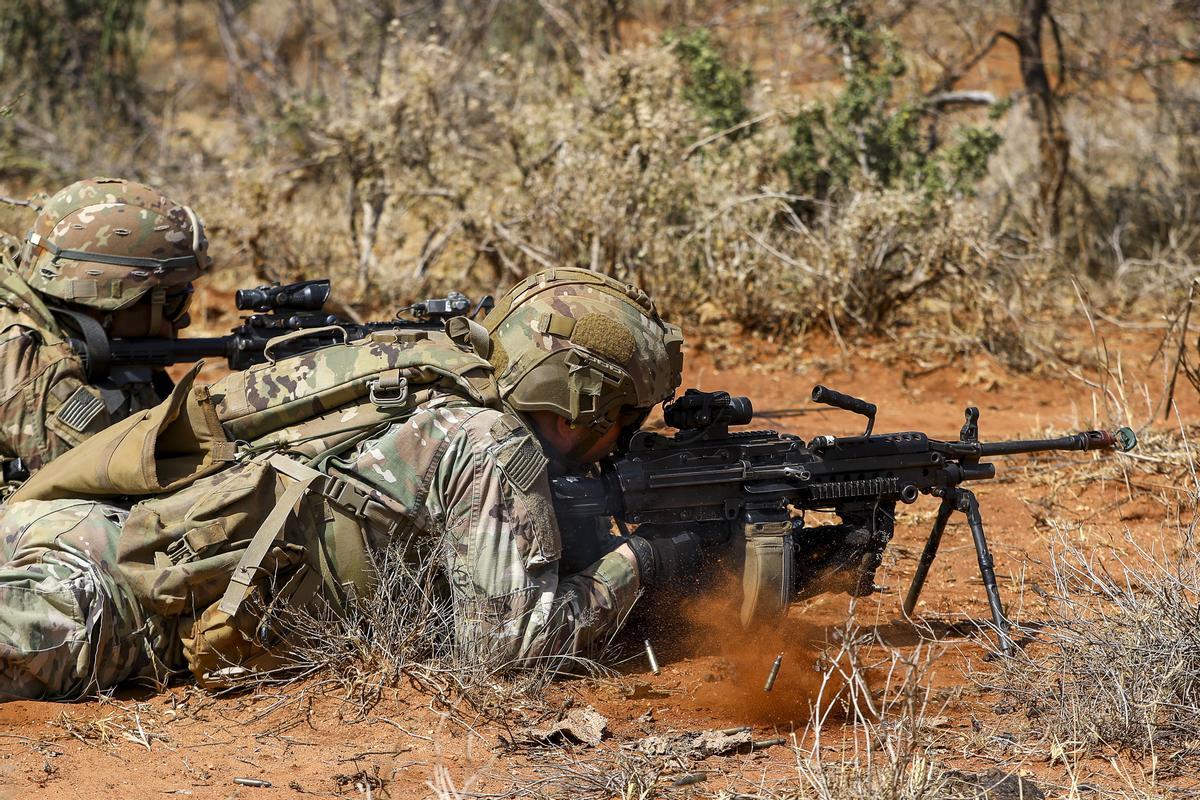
522,463
506,425
80,410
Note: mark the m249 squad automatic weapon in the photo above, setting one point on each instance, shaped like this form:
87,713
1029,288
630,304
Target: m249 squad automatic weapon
291,314
745,494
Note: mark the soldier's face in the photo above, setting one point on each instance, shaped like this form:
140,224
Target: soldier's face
573,446
601,448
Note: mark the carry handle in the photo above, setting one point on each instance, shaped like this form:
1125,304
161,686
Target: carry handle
823,394
301,334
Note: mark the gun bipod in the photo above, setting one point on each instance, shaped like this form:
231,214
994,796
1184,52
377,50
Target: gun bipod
957,499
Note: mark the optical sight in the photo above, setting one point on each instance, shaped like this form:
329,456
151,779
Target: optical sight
299,296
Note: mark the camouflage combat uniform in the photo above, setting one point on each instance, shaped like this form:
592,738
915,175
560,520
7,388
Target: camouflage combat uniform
104,257
478,477
73,622
278,481
46,403
68,624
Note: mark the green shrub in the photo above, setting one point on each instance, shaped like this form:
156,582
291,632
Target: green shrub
868,135
71,88
69,52
717,89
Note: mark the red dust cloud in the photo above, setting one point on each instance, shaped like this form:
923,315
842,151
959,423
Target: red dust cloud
736,691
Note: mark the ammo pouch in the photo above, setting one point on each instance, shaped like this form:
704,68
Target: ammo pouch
229,552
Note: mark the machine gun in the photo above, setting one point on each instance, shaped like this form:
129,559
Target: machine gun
293,309
745,494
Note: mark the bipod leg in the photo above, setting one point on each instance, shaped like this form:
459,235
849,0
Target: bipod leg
927,556
970,506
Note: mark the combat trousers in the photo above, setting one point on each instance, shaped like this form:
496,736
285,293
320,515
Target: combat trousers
69,625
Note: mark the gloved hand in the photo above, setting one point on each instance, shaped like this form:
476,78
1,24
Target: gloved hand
674,561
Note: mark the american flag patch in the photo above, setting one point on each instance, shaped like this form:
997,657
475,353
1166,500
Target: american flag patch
524,463
80,409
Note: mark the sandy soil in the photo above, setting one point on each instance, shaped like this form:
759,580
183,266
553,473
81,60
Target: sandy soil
140,744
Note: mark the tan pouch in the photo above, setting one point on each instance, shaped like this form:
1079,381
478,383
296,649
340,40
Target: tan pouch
147,453
222,650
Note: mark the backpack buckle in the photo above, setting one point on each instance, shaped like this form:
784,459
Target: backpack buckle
350,498
389,390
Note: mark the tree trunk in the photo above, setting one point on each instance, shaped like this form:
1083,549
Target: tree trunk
1054,147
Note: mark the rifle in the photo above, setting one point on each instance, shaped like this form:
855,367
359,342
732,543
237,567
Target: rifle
745,494
288,309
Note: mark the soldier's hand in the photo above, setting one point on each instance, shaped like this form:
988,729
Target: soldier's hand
668,561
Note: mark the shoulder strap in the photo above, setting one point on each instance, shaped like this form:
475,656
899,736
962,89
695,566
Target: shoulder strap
302,478
16,293
99,351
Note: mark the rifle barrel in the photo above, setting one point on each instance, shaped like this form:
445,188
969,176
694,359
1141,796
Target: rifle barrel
1088,440
164,352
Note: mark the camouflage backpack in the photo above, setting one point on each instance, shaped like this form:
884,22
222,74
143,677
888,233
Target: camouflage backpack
235,503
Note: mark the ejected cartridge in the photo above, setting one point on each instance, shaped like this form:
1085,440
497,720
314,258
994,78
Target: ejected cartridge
653,660
770,684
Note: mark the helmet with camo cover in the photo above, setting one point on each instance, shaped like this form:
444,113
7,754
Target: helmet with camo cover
107,243
584,346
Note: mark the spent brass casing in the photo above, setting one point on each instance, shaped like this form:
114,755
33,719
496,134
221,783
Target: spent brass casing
252,782
653,659
763,744
770,684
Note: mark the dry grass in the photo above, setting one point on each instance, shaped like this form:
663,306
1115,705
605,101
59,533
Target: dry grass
1115,663
403,149
407,631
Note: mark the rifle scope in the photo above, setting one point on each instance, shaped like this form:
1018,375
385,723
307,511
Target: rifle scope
696,410
299,296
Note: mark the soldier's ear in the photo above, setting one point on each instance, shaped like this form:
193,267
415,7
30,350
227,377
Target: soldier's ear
555,431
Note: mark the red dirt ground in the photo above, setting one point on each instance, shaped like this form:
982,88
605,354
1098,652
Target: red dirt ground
193,745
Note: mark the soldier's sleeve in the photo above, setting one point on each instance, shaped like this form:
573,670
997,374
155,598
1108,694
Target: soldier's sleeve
491,493
46,405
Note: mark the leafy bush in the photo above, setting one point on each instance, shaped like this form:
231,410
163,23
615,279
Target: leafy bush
404,149
68,51
476,181
865,134
715,88
69,67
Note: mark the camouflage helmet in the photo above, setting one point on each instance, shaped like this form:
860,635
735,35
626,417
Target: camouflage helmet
584,346
107,243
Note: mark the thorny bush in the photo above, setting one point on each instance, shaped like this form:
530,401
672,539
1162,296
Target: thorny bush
404,148
1117,664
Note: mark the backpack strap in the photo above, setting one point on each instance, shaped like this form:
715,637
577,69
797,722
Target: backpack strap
345,569
303,478
16,293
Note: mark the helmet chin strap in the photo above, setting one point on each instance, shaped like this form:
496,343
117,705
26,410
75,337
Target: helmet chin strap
158,298
191,215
